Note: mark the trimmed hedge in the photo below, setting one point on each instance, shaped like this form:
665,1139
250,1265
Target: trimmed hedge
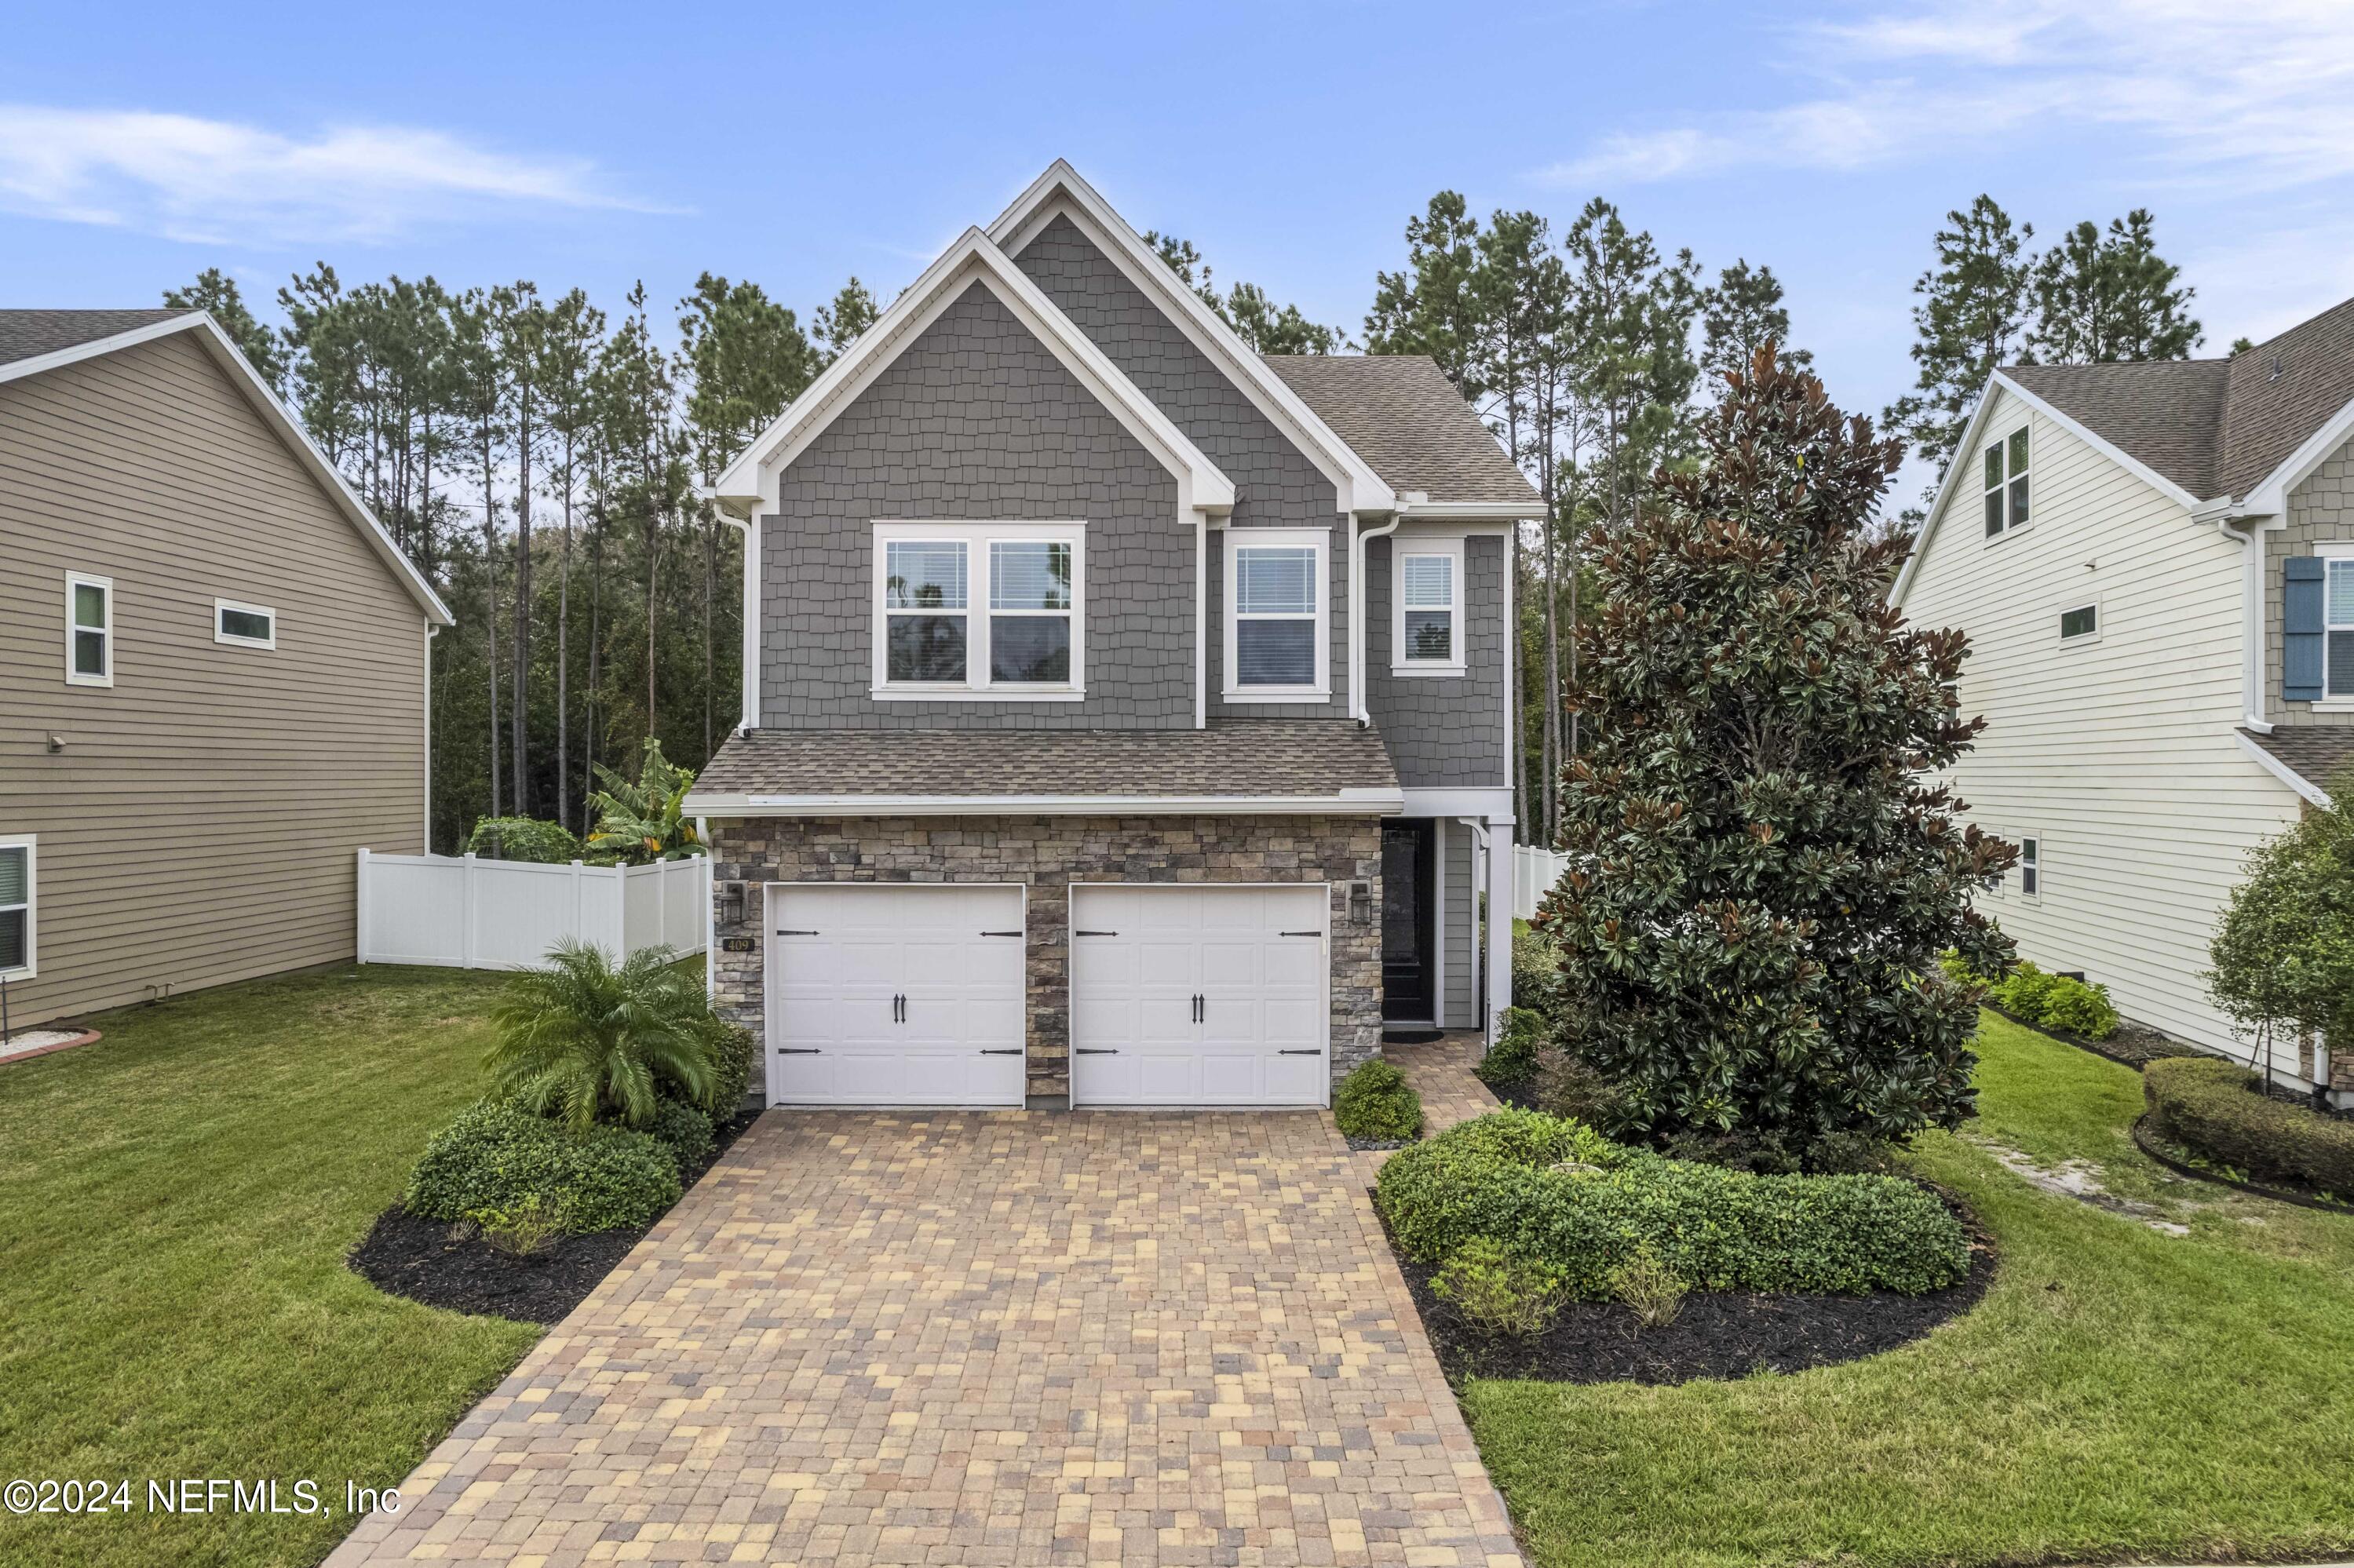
1558,1192
2219,1109
497,1156
1376,1102
731,1075
1512,1060
683,1130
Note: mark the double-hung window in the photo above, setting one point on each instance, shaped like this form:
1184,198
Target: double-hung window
979,610
89,631
1276,614
2338,628
2004,483
1426,617
17,906
2030,865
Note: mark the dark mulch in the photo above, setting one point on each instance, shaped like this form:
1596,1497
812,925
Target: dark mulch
1377,1145
1719,1334
415,1257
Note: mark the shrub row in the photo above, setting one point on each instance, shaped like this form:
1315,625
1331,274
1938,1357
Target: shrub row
497,1157
1376,1102
2048,1001
1557,1192
2219,1109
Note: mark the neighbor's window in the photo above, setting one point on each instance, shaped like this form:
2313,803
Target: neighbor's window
15,907
978,609
246,625
2338,627
1274,624
1426,631
89,631
2084,621
2006,484
2030,866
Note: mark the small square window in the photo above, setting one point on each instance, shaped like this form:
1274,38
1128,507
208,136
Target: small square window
244,625
2082,622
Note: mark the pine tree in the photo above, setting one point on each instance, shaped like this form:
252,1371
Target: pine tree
1258,320
1974,304
838,325
216,292
1739,314
1762,872
1433,306
2100,299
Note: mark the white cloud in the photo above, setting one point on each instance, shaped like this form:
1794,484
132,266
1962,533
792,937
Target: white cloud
214,181
2252,93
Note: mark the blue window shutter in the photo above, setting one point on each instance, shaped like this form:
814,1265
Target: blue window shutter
2301,633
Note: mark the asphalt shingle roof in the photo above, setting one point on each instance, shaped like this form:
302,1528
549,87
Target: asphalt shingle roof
2215,427
2315,753
1242,757
1400,413
27,334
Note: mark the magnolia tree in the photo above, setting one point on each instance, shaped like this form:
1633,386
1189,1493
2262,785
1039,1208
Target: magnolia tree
1762,870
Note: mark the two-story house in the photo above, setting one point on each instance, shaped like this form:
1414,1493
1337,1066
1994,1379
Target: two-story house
2155,565
1126,715
212,670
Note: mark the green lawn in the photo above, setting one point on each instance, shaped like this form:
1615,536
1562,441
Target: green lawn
173,1297
2119,1393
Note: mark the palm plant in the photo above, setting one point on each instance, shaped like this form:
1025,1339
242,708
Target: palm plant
646,820
582,1039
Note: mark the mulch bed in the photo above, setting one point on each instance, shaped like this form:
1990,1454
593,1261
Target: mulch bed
1377,1145
406,1256
1719,1334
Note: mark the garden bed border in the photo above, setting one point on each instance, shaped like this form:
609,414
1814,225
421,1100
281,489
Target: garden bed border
2146,1138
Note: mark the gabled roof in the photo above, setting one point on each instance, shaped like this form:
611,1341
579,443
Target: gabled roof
2283,391
1061,191
973,258
53,339
1234,765
1400,413
2166,413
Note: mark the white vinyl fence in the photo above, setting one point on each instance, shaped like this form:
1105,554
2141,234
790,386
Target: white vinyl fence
505,913
1534,871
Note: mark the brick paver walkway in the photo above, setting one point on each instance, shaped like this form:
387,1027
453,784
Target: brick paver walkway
983,1337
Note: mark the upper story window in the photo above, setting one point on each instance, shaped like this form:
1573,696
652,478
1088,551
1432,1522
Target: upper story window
2006,484
17,906
2338,628
89,631
245,625
1426,617
2080,624
1277,644
979,610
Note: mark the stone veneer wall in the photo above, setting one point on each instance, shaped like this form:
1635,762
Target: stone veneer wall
1048,854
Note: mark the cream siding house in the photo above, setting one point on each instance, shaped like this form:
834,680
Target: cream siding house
2116,549
214,662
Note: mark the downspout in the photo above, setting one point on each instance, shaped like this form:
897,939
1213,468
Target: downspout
431,631
2252,613
747,678
1358,707
1201,621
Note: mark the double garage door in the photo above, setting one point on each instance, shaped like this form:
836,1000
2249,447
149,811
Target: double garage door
910,995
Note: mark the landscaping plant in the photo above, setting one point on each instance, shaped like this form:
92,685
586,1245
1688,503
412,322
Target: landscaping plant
2219,1109
523,838
1500,1291
499,1158
1376,1103
1762,870
1650,1290
2284,952
528,1229
645,821
1511,1062
683,1130
587,1040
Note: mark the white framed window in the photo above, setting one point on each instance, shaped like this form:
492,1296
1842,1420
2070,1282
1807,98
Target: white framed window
2003,478
2337,623
1426,608
89,631
993,611
245,625
2030,865
2080,623
16,954
1278,608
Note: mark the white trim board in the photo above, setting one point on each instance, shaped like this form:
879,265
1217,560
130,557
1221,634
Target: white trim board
2282,772
226,354
1060,192
754,477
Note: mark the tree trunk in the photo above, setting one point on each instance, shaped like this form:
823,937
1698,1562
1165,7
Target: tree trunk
710,575
592,735
520,718
491,610
1553,763
653,553
564,653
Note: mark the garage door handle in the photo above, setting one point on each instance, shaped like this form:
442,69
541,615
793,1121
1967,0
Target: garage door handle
785,933
1300,1053
1300,933
798,1051
1010,1051
1197,1007
1094,933
1001,933
1096,1050
899,1010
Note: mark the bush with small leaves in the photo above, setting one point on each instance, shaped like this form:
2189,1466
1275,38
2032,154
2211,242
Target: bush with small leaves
498,1156
1571,1086
523,838
1512,1060
684,1130
2219,1109
1649,1288
528,1229
1500,1291
1376,1103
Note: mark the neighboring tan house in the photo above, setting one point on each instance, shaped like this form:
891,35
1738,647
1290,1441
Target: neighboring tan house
214,668
2155,565
1091,745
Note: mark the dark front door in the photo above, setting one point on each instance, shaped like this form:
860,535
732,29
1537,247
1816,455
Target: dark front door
1407,856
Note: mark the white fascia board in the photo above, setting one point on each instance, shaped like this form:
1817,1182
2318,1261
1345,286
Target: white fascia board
226,354
1502,513
1349,803
972,259
1061,190
2270,499
2282,772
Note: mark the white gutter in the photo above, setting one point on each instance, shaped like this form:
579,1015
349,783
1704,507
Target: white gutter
1358,707
1351,802
2223,514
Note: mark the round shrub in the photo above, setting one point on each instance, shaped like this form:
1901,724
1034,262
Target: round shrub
1558,1192
1499,1291
2218,1109
523,838
2074,1007
1376,1102
684,1130
498,1157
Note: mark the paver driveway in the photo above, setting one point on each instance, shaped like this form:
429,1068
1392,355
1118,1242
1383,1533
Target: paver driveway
982,1338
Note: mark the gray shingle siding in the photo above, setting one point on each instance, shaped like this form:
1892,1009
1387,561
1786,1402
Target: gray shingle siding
977,421
2320,510
1444,732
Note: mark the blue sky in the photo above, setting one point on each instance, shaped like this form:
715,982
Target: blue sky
796,146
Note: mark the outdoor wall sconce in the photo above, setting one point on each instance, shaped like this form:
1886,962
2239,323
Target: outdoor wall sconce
1361,903
731,903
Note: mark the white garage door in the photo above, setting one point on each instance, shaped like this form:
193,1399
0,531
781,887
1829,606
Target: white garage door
894,995
1198,996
